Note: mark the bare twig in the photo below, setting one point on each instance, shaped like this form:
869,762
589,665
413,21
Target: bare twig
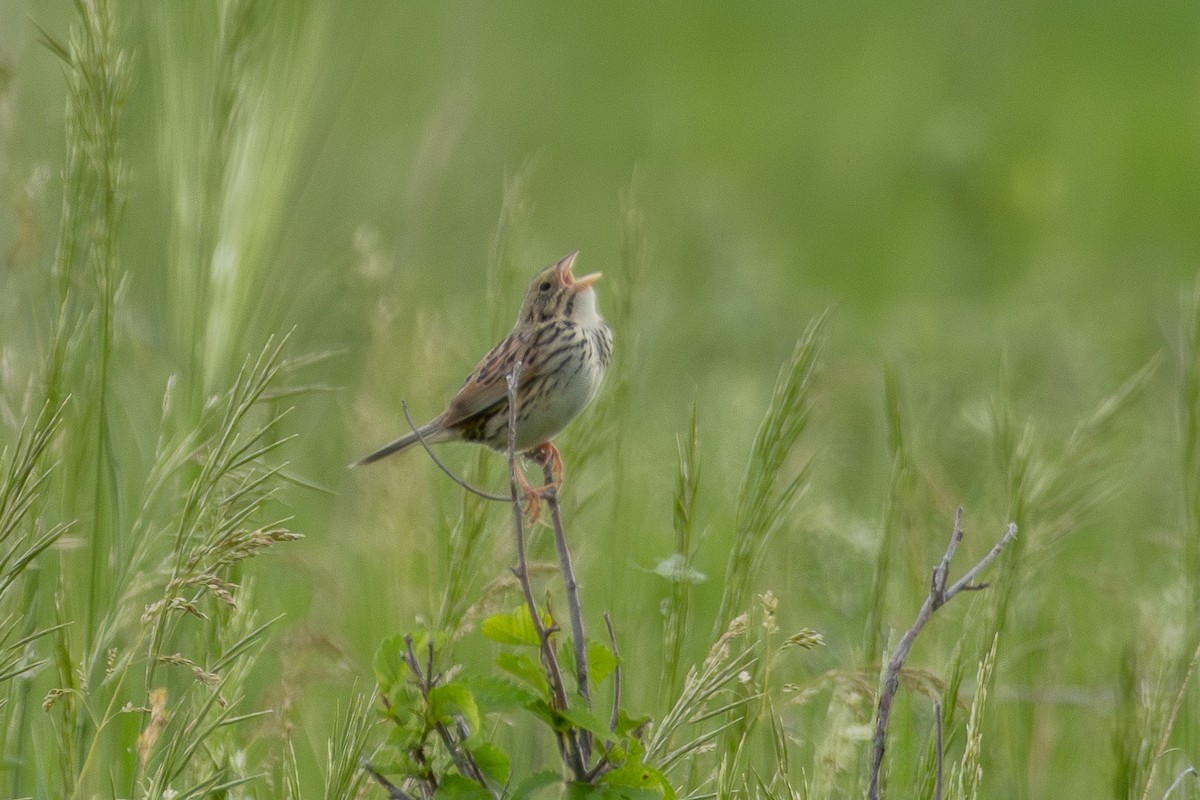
939,595
578,636
569,749
433,457
394,792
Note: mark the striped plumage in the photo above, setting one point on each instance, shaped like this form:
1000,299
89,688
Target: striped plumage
564,346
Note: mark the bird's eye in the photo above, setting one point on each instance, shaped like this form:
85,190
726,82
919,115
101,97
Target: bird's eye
545,287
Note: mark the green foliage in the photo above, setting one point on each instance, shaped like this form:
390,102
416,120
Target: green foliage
437,746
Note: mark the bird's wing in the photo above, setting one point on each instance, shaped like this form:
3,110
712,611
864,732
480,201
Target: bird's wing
488,384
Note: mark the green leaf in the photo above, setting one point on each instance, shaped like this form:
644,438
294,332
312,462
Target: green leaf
628,725
602,662
493,761
395,761
639,781
408,733
513,628
584,791
580,716
390,668
535,783
497,694
456,787
452,702
525,668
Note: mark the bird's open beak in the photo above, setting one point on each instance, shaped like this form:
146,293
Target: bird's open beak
567,278
586,281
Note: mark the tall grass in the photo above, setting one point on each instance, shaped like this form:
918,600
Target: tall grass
768,494
233,79
141,642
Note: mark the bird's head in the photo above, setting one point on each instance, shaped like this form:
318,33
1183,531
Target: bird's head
555,292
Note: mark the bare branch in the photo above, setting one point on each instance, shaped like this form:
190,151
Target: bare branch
578,636
570,749
394,792
939,595
433,457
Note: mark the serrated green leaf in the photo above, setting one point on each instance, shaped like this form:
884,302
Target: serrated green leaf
389,665
493,761
406,734
537,782
602,662
580,716
513,628
497,694
616,753
453,702
525,668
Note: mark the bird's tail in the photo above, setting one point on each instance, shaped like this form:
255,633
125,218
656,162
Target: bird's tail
426,432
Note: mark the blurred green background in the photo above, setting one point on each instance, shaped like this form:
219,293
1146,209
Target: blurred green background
997,200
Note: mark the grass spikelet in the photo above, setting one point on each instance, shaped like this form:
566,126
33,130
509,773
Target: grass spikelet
970,770
22,485
229,148
344,775
767,494
687,485
704,698
213,534
899,487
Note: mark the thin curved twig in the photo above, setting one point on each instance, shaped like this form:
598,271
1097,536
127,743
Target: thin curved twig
433,457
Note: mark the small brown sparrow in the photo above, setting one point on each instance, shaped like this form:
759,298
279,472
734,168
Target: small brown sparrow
564,347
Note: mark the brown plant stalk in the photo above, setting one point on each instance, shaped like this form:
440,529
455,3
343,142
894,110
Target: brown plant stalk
939,595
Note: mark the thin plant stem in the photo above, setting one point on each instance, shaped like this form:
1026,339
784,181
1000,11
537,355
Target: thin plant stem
576,610
1163,741
939,724
570,747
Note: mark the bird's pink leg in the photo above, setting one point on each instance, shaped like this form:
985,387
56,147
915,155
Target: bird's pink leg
543,454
